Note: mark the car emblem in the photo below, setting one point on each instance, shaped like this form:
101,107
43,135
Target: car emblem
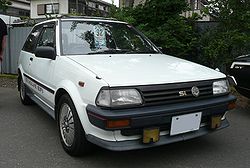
195,91
182,93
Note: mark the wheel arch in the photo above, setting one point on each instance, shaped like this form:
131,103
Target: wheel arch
20,76
67,87
70,88
59,93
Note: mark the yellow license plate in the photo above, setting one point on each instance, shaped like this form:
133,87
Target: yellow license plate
215,122
151,135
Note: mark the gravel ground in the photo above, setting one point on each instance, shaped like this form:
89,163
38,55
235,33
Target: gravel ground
8,82
242,101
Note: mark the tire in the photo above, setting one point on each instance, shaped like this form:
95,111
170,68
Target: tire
25,99
72,135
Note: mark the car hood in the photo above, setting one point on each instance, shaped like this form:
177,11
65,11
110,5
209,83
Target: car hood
144,69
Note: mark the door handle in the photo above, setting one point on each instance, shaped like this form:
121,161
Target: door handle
31,59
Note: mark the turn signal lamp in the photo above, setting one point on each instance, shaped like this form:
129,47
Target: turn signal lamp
231,105
118,123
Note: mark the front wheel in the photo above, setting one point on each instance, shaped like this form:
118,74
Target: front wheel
25,99
72,135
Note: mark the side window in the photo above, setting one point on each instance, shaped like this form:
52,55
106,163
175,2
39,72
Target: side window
47,38
31,41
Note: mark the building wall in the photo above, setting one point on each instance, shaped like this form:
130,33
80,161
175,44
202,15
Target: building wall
21,4
130,3
195,5
82,7
190,13
97,7
18,8
126,3
137,2
63,7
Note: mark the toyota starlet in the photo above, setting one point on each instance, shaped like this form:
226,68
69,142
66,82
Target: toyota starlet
107,84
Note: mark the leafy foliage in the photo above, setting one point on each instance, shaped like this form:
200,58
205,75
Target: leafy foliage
232,36
220,47
4,4
162,22
232,14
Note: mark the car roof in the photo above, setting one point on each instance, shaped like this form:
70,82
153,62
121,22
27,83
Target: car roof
84,18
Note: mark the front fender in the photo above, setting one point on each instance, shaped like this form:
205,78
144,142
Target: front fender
80,106
72,90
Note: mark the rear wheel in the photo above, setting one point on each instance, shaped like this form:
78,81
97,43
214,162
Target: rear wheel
25,99
72,135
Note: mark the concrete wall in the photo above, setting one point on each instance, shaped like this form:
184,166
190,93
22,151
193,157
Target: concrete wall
21,4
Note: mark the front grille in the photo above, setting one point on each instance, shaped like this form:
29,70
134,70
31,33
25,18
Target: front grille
169,93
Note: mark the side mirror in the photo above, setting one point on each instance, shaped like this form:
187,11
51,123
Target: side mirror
45,52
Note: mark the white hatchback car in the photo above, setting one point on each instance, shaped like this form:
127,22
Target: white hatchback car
104,82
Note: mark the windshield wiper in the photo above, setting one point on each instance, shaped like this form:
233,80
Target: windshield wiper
110,51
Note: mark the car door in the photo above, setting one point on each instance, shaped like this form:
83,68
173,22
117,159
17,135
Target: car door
42,69
27,53
241,72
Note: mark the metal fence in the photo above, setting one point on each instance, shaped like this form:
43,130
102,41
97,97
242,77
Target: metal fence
15,40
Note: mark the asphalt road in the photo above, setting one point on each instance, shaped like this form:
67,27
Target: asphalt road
29,138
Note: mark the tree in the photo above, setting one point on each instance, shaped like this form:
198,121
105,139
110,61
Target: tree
232,36
232,14
4,4
162,22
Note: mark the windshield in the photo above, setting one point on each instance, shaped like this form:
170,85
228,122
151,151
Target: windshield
89,37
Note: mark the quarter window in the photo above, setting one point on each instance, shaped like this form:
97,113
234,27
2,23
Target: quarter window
31,41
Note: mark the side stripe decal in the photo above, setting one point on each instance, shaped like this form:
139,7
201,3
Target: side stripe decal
40,84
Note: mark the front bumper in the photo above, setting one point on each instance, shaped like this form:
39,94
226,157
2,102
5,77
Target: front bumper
164,139
159,117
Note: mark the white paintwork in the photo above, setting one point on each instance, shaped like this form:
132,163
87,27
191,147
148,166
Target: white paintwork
118,70
93,20
144,69
234,80
9,19
239,63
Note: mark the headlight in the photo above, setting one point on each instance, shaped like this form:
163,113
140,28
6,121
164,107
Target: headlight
118,97
220,87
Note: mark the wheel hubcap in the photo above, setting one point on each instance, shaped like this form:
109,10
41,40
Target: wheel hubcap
67,128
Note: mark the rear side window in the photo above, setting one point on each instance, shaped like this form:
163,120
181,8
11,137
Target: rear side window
31,41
